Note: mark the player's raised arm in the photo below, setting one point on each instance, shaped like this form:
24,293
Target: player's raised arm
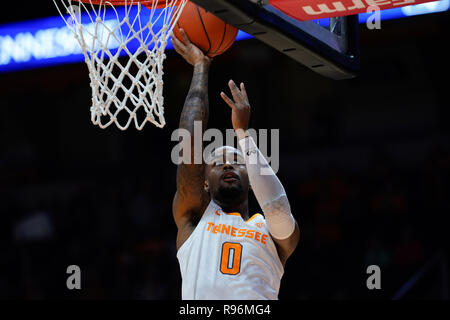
190,199
265,184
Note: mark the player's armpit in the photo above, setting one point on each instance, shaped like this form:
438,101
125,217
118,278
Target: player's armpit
187,212
190,199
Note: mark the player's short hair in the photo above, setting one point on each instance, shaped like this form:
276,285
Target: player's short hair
219,152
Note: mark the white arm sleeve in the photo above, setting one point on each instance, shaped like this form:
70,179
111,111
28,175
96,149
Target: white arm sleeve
268,191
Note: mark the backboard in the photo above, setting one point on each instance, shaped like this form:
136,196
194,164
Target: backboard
330,47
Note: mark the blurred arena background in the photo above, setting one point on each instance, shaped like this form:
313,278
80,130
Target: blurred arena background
365,162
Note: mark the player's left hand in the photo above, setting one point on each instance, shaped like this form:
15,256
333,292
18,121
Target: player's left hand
240,114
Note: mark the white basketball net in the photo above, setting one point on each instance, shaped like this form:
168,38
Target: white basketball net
130,90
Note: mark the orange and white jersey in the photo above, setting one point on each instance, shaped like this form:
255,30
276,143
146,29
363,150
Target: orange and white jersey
227,258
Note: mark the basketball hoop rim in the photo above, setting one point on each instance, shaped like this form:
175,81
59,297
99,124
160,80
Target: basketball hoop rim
147,3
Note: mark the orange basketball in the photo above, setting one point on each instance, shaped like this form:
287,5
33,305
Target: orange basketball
212,35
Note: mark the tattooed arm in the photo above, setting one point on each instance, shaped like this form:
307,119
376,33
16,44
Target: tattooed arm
190,199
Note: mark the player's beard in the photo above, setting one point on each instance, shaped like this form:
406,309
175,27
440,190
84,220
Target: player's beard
229,193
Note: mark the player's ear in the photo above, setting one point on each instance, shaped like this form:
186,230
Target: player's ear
206,186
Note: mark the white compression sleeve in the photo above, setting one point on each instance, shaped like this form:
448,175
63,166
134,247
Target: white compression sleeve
268,191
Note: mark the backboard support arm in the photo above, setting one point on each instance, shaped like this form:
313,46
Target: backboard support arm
333,55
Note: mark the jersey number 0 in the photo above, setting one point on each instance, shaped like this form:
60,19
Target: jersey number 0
231,258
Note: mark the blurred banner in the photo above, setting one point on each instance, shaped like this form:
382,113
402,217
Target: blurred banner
46,42
305,10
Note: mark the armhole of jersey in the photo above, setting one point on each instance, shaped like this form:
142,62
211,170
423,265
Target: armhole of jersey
254,216
204,216
274,244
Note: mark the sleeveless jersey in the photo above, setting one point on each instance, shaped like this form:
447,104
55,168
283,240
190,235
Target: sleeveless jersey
227,258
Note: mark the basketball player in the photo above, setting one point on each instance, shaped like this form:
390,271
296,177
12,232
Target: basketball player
224,253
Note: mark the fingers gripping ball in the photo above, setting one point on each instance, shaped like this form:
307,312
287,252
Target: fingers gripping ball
212,35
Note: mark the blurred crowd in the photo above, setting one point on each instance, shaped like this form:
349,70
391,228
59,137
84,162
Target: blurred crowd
389,216
120,231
